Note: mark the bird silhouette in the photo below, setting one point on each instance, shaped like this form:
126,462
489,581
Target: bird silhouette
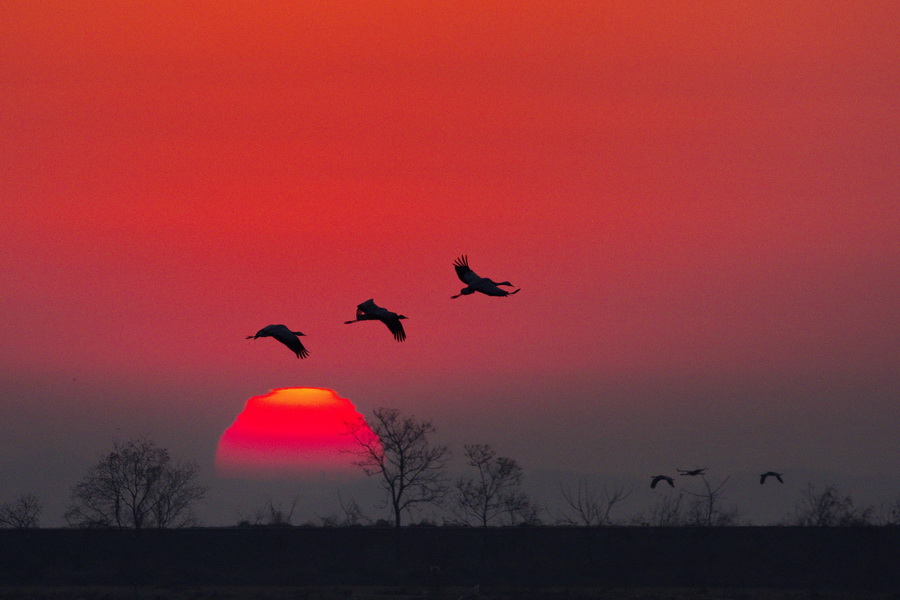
285,336
369,311
474,283
762,478
692,472
658,478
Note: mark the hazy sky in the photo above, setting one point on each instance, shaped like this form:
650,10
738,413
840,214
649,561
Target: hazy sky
698,201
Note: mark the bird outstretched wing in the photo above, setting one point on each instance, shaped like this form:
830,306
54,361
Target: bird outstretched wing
762,478
396,328
293,342
369,311
284,335
465,274
366,308
658,478
692,472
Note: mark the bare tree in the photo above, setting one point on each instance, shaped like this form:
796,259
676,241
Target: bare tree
703,514
589,506
396,449
666,512
494,492
23,513
276,515
522,514
351,515
173,495
891,513
254,519
270,514
829,508
136,485
706,510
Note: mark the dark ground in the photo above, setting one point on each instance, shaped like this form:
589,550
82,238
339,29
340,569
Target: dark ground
534,562
407,593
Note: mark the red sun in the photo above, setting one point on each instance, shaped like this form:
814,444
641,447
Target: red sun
290,432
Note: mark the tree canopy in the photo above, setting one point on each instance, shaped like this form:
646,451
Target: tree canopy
136,485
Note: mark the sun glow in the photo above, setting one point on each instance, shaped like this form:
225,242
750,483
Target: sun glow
290,432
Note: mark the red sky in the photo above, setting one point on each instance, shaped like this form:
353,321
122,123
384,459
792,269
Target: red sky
699,203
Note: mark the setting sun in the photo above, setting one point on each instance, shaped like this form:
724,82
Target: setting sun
289,432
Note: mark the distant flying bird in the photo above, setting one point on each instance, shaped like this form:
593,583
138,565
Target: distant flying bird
762,478
658,478
474,283
285,336
692,472
369,311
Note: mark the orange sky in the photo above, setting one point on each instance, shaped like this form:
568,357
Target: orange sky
698,201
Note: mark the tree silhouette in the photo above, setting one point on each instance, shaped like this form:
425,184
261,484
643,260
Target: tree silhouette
705,510
589,506
351,515
667,511
270,514
136,485
22,513
494,492
397,450
829,508
892,513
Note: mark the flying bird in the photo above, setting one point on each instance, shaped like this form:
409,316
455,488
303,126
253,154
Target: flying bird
369,311
285,336
658,478
762,478
692,472
474,283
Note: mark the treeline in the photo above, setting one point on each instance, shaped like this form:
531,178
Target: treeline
138,485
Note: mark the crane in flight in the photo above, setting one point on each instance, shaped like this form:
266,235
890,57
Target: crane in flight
284,335
369,311
474,283
762,478
658,478
692,472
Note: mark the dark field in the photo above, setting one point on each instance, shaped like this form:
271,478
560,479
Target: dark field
540,562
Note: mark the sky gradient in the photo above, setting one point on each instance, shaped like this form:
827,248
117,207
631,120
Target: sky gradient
698,201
